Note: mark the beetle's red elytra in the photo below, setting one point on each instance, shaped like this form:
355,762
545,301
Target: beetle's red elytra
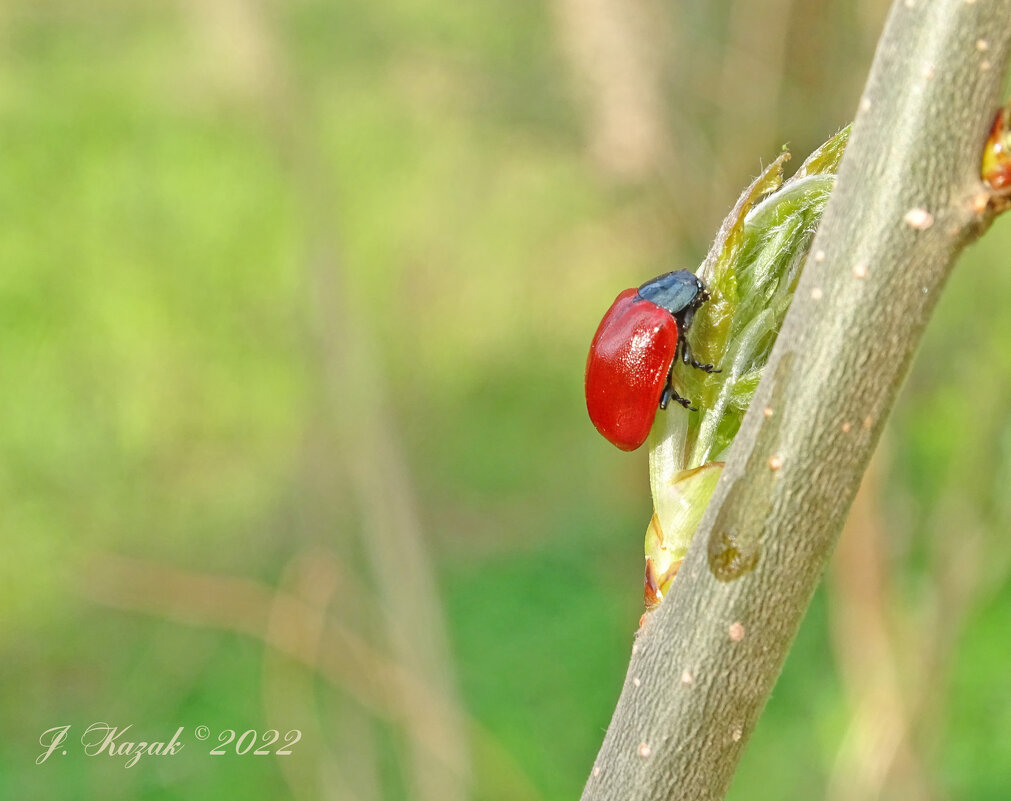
630,364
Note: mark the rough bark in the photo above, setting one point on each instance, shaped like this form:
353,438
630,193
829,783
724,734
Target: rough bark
908,200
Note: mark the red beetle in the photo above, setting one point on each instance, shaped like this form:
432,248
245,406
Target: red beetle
631,362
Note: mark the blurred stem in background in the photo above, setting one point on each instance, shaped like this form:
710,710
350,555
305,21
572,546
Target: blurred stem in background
896,643
354,419
615,54
879,757
751,83
620,57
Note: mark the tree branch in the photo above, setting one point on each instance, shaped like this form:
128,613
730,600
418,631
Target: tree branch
908,199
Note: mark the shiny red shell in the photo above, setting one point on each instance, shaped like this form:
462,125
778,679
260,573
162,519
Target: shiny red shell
627,368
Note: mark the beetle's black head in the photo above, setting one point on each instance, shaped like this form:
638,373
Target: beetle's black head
679,292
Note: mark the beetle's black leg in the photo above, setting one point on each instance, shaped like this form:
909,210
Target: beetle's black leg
683,401
707,368
687,358
669,394
668,389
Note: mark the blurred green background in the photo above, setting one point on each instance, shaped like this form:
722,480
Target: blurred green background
295,304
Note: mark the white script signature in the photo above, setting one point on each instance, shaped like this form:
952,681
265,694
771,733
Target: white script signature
103,738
